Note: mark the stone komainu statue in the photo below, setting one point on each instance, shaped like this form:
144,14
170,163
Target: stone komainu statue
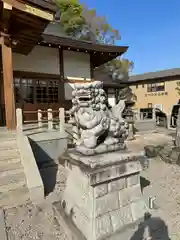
97,129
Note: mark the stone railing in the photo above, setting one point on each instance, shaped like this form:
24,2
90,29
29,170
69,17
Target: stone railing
48,118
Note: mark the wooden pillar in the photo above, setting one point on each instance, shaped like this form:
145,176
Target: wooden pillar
8,83
61,71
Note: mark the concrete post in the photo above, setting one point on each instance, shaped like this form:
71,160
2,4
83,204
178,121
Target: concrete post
61,119
153,114
141,115
131,130
39,118
169,118
138,117
50,119
173,122
19,119
168,121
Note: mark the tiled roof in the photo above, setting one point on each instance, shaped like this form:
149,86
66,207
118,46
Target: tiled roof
155,75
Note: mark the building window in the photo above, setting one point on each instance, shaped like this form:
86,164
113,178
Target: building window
156,87
41,91
24,90
36,91
136,86
47,91
142,85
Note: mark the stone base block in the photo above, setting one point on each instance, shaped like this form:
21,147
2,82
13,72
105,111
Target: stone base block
103,195
100,149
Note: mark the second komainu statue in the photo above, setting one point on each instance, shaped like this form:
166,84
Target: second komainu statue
97,129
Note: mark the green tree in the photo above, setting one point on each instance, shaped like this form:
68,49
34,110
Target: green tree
71,19
82,23
119,69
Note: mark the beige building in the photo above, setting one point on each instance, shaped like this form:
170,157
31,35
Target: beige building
156,89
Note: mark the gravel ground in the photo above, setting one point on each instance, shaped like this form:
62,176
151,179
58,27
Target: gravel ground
30,222
33,222
164,185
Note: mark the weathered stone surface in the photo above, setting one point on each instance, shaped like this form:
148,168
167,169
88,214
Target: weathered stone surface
117,185
82,221
106,204
135,192
116,219
128,195
121,217
100,190
124,197
133,180
126,215
150,151
138,209
103,226
113,172
106,159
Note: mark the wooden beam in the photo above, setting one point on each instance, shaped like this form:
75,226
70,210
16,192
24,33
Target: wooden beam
44,4
8,85
29,9
6,15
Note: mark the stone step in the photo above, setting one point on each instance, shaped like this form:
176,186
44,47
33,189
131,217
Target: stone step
10,167
17,178
5,162
7,136
5,144
14,197
11,172
9,153
19,183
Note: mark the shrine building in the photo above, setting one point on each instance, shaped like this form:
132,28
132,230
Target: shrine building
38,65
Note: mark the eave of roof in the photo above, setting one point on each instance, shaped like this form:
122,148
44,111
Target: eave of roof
67,41
100,53
24,28
154,75
48,5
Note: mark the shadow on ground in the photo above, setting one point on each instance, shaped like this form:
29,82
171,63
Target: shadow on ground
48,168
144,183
152,228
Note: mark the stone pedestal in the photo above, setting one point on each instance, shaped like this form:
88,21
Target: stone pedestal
103,194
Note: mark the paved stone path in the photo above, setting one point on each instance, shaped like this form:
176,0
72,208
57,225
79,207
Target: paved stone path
149,139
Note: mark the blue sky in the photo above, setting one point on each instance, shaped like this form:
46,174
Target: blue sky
151,29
